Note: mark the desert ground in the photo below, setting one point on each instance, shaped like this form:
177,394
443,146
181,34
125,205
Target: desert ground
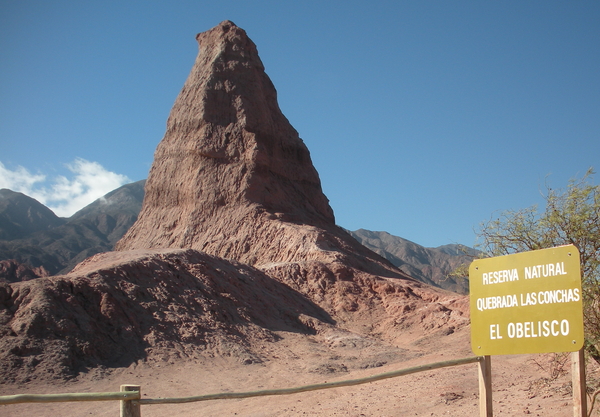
520,386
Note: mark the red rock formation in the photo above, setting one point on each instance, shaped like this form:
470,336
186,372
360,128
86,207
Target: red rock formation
231,178
119,307
12,270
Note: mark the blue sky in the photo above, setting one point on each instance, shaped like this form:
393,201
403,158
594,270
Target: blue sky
423,118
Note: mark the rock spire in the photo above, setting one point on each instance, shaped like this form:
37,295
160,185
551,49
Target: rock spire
229,157
235,248
231,176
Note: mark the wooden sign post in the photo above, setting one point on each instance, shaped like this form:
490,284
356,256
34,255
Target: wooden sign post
130,408
529,302
579,384
485,387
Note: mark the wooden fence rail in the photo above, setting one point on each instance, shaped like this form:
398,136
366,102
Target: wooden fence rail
61,398
327,385
130,396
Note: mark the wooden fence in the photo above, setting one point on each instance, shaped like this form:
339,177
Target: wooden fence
131,401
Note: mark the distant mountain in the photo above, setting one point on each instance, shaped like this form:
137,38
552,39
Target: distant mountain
21,215
429,265
33,235
114,213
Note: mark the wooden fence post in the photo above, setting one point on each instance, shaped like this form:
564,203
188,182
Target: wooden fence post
131,408
485,387
579,383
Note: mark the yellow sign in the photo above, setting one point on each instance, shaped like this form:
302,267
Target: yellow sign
529,302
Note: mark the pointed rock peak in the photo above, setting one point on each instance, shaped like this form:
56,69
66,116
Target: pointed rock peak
230,162
224,27
227,42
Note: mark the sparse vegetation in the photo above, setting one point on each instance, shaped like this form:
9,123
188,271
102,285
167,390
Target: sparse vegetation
572,216
554,365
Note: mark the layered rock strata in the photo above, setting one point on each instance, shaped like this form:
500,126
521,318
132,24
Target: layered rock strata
231,176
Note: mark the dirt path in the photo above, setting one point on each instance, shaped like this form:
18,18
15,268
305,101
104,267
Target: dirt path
517,385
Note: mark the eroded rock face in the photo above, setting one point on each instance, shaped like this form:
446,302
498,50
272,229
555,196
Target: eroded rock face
12,270
230,169
231,176
233,179
120,307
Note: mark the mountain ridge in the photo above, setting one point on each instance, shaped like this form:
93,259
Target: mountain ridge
430,265
59,245
21,215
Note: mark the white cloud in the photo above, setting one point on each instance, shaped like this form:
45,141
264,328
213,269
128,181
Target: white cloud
63,195
18,180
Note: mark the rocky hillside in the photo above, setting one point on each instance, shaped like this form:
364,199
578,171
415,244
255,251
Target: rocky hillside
235,248
34,236
429,265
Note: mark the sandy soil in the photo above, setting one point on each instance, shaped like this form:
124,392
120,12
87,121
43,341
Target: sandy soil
519,387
